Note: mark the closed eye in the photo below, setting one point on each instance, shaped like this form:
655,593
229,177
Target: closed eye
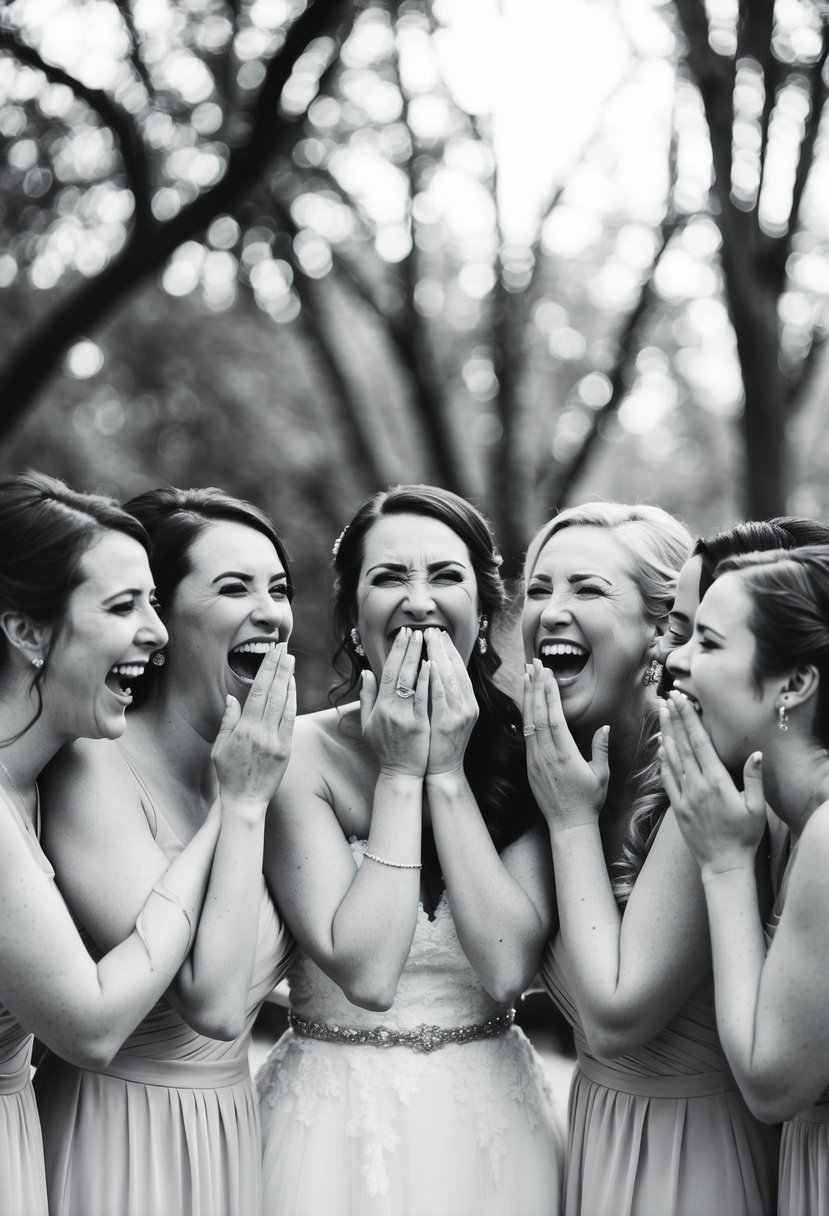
233,589
123,607
589,589
282,591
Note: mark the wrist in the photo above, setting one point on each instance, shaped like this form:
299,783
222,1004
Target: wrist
248,811
731,861
447,778
399,778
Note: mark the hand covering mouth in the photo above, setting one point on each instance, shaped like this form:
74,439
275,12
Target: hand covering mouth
120,677
566,660
246,659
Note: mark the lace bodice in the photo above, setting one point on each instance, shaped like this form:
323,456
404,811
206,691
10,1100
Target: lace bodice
438,985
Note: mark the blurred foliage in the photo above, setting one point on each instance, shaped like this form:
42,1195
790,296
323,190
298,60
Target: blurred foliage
272,246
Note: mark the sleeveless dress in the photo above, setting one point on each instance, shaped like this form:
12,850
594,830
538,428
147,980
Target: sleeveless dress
22,1180
170,1127
804,1146
464,1129
662,1131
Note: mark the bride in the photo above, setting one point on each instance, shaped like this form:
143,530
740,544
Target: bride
412,869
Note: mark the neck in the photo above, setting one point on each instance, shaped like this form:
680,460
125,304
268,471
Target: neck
160,733
796,779
25,757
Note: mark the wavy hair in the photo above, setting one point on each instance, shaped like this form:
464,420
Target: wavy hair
174,519
45,530
495,760
658,545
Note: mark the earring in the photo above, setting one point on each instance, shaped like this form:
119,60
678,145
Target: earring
653,673
159,658
38,662
483,645
782,718
356,643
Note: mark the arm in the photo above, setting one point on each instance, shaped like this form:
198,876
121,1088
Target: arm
357,924
633,968
771,1009
81,1009
107,860
501,903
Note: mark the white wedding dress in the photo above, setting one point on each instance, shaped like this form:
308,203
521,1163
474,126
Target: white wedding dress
455,1129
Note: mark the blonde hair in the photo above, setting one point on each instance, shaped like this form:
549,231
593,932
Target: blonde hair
658,546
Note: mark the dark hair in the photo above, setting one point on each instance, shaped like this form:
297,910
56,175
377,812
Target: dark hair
45,529
174,520
789,616
756,536
495,760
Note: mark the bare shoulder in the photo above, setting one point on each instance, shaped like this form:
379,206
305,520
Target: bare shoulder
82,785
327,739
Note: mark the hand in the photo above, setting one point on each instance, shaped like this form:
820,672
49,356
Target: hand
253,746
570,790
453,708
722,826
398,727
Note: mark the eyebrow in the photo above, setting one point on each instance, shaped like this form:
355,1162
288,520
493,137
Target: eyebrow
125,591
574,578
401,568
248,578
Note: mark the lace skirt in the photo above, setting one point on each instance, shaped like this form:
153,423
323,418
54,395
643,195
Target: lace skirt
466,1130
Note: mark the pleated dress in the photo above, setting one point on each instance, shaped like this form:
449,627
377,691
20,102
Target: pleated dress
663,1130
170,1127
454,1120
22,1178
804,1144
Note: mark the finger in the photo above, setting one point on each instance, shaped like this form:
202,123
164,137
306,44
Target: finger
555,713
422,690
599,761
368,696
278,691
687,756
541,712
671,786
527,704
411,660
753,792
286,723
394,661
673,760
698,736
257,698
232,714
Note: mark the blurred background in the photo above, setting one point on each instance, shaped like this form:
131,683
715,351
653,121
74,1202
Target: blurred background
535,251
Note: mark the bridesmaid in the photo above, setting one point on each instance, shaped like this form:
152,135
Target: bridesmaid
170,1127
657,1127
756,672
77,626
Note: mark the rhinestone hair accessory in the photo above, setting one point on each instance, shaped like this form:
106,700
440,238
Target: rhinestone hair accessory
335,548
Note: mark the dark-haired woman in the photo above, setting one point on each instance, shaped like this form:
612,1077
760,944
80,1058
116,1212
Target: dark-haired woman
749,721
170,1126
77,627
656,1126
412,871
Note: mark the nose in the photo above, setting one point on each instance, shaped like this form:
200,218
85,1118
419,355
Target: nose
678,661
419,603
153,632
271,615
555,611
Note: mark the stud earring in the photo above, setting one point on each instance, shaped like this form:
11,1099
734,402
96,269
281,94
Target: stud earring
38,662
483,645
653,673
782,718
357,643
159,658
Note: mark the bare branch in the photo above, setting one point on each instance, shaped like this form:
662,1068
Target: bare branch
112,115
136,60
817,101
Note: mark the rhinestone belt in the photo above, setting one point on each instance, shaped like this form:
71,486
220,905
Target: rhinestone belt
420,1038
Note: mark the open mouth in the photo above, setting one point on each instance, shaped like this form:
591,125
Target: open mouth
566,660
121,677
245,660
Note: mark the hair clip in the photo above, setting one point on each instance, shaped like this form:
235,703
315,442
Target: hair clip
336,547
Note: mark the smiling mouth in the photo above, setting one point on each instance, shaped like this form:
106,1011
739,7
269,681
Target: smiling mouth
245,660
566,660
121,677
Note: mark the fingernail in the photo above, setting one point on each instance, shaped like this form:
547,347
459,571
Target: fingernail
757,758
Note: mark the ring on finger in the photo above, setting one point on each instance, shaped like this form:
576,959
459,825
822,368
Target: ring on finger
404,692
528,730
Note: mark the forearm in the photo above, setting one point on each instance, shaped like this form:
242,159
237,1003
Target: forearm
499,927
213,985
373,926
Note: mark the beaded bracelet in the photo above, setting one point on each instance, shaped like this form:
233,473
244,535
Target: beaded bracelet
396,865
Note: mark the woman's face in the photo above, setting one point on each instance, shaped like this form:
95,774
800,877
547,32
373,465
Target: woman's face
584,619
105,644
416,573
686,602
227,612
715,669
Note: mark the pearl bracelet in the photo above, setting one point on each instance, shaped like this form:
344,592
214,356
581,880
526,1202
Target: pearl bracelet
396,865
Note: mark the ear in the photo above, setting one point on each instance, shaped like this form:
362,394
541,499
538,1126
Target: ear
24,635
801,686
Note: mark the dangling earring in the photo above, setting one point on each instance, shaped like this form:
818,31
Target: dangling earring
357,643
782,718
483,645
38,662
653,673
159,658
